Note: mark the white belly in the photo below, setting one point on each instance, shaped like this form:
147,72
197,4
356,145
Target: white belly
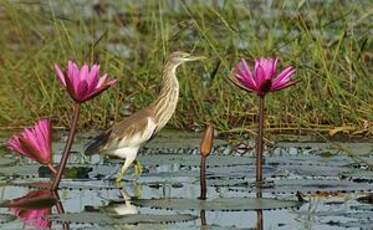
129,146
126,152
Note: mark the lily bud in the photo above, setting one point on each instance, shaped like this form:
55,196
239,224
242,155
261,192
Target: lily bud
207,141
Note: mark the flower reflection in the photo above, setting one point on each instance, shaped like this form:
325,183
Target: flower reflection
33,208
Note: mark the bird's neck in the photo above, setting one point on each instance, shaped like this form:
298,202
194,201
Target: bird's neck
165,105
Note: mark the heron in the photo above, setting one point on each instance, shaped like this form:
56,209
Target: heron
125,138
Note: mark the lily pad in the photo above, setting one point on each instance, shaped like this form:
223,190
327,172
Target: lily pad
311,186
28,170
6,218
103,219
193,160
7,161
218,204
68,184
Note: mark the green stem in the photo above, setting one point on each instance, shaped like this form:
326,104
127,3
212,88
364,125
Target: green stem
67,149
259,143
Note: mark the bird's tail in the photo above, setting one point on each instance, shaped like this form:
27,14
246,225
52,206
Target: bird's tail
96,145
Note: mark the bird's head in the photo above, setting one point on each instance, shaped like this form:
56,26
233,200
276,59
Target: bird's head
180,57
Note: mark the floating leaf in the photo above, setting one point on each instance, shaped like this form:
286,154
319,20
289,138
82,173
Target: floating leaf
222,204
5,218
312,186
7,161
74,185
103,219
33,200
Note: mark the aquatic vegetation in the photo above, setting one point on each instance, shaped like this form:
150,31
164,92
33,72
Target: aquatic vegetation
33,208
35,143
261,81
83,84
103,219
216,204
205,150
315,38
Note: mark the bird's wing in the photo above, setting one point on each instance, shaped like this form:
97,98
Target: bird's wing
97,144
133,131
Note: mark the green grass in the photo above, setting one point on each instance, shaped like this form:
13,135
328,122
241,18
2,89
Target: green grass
329,43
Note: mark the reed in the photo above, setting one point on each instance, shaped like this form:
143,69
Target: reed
328,44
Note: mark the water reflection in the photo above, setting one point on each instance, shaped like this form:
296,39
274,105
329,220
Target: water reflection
125,208
259,213
34,208
202,216
29,212
120,207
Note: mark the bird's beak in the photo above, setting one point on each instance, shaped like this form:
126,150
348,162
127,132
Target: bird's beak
196,58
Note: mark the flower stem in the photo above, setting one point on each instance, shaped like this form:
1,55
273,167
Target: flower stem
67,149
52,169
259,212
202,178
259,143
202,215
60,209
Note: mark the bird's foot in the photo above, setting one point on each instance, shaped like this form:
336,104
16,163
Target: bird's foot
138,168
119,179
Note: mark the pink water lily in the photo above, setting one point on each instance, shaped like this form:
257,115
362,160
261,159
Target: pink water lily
83,84
34,216
264,78
35,143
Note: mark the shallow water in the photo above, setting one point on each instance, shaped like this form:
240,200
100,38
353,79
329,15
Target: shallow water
329,180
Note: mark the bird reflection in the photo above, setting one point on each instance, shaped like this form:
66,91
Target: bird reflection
125,208
120,207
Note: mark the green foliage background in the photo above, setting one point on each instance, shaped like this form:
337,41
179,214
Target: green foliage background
329,43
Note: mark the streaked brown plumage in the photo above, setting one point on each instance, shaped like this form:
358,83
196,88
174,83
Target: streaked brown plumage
126,137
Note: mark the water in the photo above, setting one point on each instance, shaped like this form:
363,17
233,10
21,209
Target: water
331,183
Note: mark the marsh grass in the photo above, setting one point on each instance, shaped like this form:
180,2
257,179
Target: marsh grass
329,43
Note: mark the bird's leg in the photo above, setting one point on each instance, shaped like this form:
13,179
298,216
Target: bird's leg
120,175
123,170
138,168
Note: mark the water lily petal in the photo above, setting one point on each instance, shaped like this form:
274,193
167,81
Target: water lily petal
283,86
92,78
284,77
60,75
101,89
73,74
245,82
101,81
259,76
248,75
34,142
269,67
82,91
82,84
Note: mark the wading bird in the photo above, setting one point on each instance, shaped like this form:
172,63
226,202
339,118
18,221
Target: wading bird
126,137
